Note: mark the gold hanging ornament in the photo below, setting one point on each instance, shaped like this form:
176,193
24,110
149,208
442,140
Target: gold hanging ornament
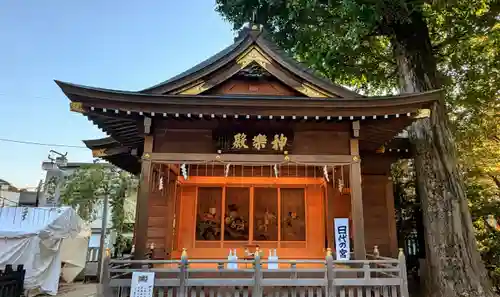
287,157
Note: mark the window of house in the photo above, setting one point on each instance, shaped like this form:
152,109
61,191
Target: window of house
250,214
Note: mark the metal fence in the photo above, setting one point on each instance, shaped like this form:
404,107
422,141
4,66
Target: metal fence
377,277
12,281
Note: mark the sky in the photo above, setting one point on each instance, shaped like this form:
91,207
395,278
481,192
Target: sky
116,44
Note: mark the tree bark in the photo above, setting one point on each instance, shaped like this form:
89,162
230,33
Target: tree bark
454,266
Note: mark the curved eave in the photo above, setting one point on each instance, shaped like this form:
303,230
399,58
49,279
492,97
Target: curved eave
224,57
115,153
106,142
253,105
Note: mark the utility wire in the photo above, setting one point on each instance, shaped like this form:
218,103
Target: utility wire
42,144
27,96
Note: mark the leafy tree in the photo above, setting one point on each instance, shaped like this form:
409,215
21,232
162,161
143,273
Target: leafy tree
484,201
414,46
85,189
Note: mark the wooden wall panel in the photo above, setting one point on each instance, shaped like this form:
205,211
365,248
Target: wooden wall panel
184,141
376,164
376,214
271,87
321,143
195,135
315,220
156,220
187,219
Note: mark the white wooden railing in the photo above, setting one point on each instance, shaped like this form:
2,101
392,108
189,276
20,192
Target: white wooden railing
374,277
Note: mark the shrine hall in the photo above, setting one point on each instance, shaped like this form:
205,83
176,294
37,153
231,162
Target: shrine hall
251,148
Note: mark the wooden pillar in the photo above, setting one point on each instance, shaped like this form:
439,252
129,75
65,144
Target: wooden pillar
142,213
391,216
329,214
357,203
170,215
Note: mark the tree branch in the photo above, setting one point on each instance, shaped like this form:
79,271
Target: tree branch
495,179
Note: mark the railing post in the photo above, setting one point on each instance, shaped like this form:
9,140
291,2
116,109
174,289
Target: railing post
183,273
257,287
330,275
403,274
366,271
376,252
293,267
104,288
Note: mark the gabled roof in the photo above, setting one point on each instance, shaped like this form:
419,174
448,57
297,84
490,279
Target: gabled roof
192,96
253,46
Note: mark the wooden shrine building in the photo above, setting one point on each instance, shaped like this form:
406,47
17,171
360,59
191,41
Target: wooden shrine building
250,148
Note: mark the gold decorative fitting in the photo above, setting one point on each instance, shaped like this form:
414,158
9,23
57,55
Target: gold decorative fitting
328,252
76,107
217,157
423,113
287,158
253,56
96,153
197,89
355,158
380,150
146,156
184,253
308,90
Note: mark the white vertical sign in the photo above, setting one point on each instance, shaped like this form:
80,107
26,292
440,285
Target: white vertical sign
142,284
342,247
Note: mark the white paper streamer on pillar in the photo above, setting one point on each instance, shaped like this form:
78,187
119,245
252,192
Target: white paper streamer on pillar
325,173
184,171
342,245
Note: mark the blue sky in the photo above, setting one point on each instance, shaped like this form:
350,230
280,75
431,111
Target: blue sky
120,44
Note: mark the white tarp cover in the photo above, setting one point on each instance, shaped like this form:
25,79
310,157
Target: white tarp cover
74,255
33,237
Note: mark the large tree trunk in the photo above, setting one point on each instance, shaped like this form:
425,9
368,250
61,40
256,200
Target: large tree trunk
454,266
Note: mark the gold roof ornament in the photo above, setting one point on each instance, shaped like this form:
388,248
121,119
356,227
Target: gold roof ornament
76,107
380,150
97,153
196,89
253,55
309,91
423,113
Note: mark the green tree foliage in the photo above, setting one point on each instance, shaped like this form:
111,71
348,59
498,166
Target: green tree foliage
483,202
85,189
450,44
